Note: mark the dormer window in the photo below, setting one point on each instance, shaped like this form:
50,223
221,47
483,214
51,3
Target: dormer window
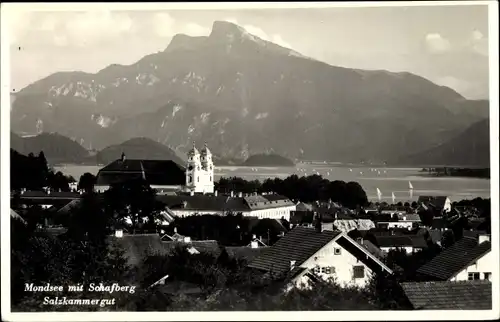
337,251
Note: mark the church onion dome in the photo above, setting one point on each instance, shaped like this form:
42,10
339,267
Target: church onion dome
205,150
193,151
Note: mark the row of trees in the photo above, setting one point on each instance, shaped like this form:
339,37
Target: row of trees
306,189
33,173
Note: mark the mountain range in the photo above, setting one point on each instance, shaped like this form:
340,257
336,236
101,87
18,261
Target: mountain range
244,95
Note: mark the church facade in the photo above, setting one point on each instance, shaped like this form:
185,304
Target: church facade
200,171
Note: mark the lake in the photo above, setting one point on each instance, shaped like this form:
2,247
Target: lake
388,180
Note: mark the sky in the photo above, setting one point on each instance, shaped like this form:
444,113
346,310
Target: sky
445,44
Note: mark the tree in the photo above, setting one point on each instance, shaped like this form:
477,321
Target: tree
386,293
133,204
87,182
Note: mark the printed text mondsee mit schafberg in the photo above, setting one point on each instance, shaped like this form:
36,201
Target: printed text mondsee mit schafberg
115,287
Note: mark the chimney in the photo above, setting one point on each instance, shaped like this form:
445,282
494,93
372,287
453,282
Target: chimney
215,193
232,194
292,265
175,230
123,156
118,233
483,238
254,244
240,195
254,237
48,191
191,193
187,239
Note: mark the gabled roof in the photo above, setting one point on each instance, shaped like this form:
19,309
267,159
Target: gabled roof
70,206
301,243
446,295
297,245
416,241
433,201
454,259
155,172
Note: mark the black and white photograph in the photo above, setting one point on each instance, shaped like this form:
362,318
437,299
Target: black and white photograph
249,161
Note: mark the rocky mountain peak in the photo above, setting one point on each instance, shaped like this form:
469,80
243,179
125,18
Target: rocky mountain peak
224,29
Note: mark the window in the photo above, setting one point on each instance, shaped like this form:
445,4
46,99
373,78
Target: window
358,271
190,179
328,270
198,179
473,276
337,251
210,178
316,269
487,276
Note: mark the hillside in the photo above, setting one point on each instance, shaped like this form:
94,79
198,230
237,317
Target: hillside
268,160
469,148
57,148
137,148
246,96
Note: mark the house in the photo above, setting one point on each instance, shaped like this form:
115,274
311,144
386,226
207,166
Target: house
265,206
305,254
439,203
446,295
408,243
467,259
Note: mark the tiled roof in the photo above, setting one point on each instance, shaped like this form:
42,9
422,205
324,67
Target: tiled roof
155,172
416,241
203,202
297,245
446,295
209,202
454,259
256,202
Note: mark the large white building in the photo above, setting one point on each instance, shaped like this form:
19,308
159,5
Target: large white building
261,206
163,175
200,170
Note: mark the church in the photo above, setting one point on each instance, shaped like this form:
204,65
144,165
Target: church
189,190
163,175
